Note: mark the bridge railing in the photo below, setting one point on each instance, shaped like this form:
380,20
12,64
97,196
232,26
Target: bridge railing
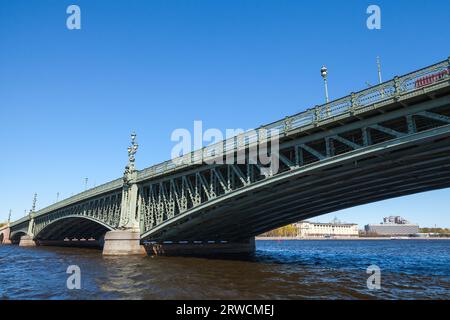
21,220
383,92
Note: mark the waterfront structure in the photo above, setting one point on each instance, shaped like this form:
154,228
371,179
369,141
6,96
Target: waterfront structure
333,229
395,220
386,141
392,226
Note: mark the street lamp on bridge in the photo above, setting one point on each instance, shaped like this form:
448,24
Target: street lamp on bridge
379,70
324,74
33,208
132,151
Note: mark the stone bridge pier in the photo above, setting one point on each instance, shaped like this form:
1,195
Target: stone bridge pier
27,241
5,233
126,240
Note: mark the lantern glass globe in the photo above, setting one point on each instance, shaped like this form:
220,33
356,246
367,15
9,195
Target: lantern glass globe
324,71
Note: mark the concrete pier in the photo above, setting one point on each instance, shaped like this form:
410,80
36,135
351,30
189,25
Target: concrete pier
27,241
123,242
5,234
201,249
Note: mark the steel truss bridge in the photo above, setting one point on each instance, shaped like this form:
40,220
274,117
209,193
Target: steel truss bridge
386,141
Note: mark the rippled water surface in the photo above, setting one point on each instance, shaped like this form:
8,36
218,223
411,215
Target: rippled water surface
410,269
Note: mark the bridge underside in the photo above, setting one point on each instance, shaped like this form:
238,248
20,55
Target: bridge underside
72,231
388,171
15,237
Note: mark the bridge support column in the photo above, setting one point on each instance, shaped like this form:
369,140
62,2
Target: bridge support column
127,239
27,241
123,242
5,234
202,249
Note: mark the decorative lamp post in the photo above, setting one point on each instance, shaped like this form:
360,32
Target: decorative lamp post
324,74
379,70
33,208
129,193
31,215
132,151
125,240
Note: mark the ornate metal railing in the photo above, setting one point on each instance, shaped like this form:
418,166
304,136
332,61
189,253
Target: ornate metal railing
21,220
384,92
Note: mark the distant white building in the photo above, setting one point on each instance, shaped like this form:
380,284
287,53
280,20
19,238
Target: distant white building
333,229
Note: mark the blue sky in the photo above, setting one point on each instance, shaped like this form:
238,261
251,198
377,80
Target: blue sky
70,98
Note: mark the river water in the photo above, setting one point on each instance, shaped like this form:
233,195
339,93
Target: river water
322,269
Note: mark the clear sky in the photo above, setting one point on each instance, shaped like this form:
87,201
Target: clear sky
70,98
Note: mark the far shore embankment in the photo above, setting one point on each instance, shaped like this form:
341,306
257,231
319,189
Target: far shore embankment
353,238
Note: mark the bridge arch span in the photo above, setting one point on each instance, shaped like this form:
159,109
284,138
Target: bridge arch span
73,227
16,235
391,169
